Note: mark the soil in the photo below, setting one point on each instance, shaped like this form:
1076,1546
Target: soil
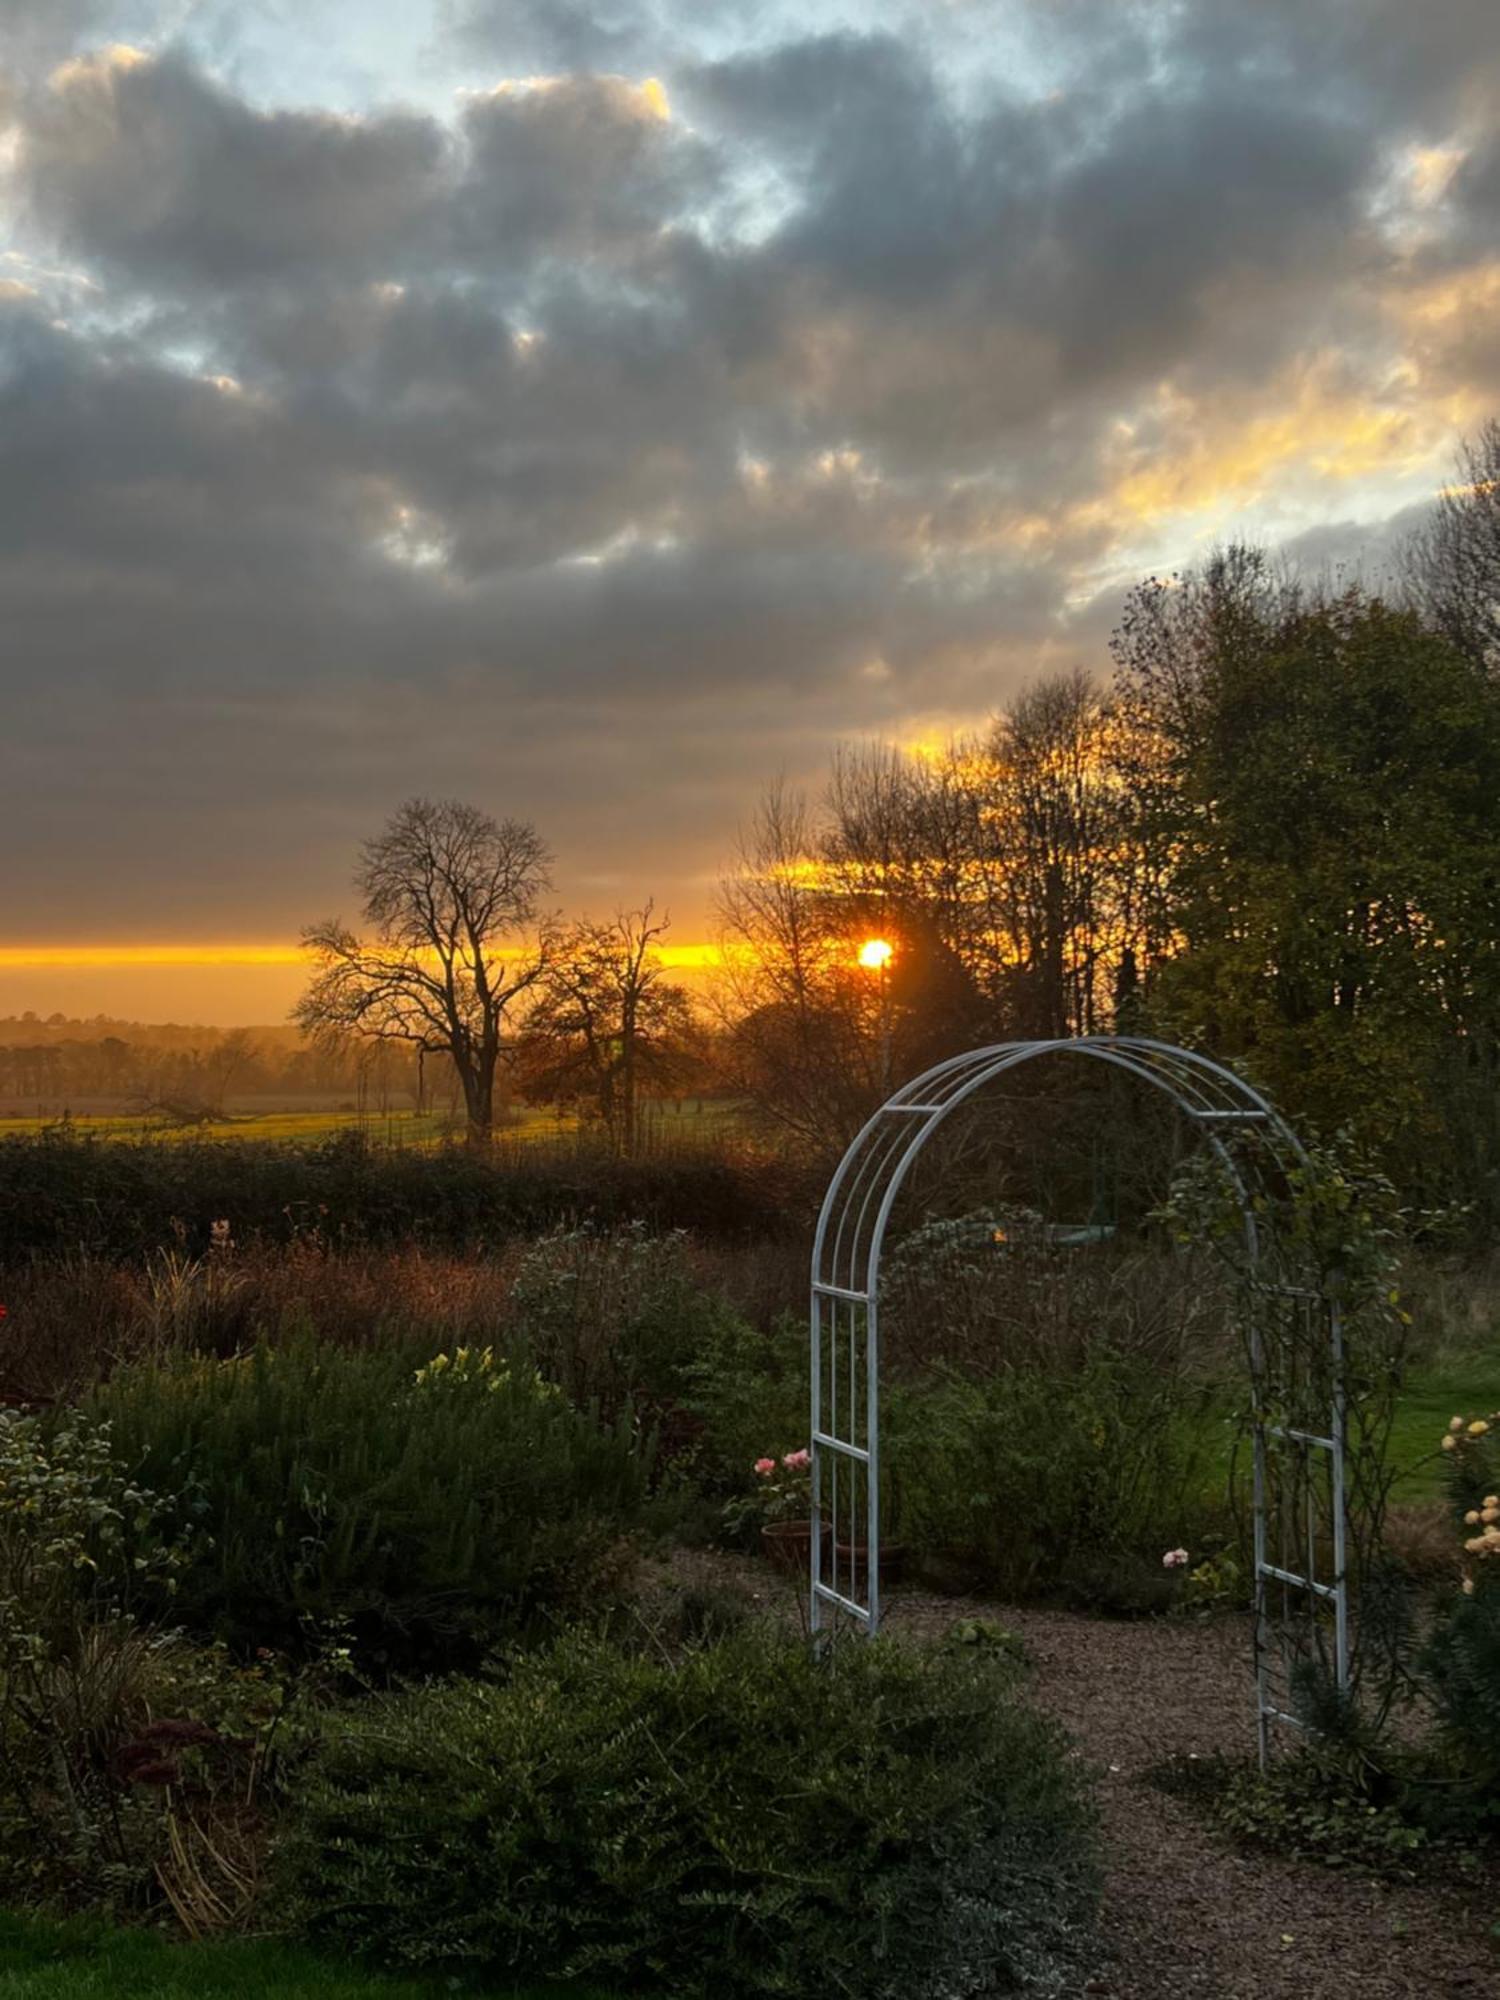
1186,1915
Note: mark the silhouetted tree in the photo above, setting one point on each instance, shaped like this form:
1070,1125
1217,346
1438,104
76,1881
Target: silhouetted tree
443,887
607,1024
1453,560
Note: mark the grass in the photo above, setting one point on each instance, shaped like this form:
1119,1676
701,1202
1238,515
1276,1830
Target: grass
86,1961
1453,1385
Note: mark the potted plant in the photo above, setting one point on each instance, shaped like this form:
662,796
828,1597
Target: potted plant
851,1564
781,1504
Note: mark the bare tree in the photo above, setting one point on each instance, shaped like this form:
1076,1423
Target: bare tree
607,1024
442,886
1453,561
799,1041
1059,863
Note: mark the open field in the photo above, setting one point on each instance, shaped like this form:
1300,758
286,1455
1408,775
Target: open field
688,1121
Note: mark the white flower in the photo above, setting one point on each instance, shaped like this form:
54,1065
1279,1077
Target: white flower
1175,1559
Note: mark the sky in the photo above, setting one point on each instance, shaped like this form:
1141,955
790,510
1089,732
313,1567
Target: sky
594,409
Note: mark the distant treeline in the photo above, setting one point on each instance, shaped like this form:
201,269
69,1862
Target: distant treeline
51,1061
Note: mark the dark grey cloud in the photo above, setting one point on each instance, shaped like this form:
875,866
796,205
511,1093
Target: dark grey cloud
581,165
615,442
151,166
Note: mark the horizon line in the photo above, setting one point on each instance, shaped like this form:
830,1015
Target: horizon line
80,957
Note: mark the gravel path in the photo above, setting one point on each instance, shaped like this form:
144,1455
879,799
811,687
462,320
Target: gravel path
1185,1913
1186,1916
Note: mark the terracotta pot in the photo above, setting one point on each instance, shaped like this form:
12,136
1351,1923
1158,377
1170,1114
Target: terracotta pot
788,1544
851,1562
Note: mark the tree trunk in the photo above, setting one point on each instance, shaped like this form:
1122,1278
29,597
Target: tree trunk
479,1098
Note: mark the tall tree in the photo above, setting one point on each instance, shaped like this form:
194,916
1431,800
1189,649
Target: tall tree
607,1024
1062,907
801,1034
1453,560
445,889
1324,788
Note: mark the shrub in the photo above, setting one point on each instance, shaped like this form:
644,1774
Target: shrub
424,1521
746,1386
615,1315
61,1193
1461,1661
737,1822
117,1744
1025,1480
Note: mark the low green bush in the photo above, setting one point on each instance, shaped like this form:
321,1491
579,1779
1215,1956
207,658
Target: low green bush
1028,1481
1317,1805
421,1514
1024,1480
738,1821
748,1393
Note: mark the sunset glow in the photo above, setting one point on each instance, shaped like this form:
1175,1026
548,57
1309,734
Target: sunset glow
123,957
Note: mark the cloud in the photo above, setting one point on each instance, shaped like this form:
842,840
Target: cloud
697,389
147,164
575,165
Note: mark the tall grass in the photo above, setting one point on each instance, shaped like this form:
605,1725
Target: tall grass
582,1302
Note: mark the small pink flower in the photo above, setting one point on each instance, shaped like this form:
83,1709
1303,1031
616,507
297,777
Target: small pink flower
1175,1559
765,1467
797,1461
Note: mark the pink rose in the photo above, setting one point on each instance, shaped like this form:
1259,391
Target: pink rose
765,1467
797,1461
1175,1559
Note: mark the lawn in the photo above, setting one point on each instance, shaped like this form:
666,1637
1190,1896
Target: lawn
1454,1386
84,1961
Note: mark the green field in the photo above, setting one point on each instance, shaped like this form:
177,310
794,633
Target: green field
84,1961
695,1118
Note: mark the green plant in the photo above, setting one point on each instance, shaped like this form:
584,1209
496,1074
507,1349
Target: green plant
1217,1583
1313,1806
615,1316
732,1821
1460,1664
782,1492
129,1760
335,1494
1025,1480
745,1386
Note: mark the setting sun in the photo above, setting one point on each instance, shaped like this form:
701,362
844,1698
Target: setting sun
875,954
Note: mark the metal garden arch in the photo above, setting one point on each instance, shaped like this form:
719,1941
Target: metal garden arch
1293,1342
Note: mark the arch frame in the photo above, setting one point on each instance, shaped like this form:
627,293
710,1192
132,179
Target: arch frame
1260,1155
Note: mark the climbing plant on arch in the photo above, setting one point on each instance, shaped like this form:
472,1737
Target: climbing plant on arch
1316,1410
